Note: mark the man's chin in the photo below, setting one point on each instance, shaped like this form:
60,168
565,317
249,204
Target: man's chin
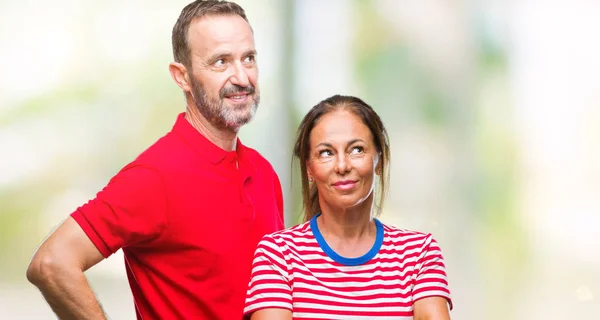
239,106
235,123
238,123
238,114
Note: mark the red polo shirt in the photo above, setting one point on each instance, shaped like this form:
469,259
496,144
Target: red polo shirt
188,219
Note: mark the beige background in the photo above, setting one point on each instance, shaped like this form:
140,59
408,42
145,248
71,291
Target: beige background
493,109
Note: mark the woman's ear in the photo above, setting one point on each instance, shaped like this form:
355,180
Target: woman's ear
378,165
309,174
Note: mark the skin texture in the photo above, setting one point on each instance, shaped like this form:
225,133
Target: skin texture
272,314
57,270
431,308
342,149
221,95
223,66
342,163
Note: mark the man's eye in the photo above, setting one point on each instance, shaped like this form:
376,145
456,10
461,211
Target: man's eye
250,58
219,63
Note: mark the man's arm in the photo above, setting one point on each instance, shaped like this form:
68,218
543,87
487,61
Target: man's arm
57,270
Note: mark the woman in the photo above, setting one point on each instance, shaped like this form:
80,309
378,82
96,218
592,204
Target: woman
342,262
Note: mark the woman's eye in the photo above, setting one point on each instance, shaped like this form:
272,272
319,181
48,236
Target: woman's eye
324,153
357,150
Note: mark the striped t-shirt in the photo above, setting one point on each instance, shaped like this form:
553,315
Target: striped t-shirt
295,269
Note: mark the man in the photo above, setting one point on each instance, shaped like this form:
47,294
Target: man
189,211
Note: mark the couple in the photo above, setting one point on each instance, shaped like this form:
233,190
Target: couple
199,216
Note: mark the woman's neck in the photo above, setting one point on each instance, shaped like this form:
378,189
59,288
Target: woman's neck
345,225
349,232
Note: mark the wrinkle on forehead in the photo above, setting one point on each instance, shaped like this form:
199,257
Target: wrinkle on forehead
220,33
340,127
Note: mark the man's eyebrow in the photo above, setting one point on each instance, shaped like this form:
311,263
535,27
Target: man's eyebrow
250,53
218,55
227,54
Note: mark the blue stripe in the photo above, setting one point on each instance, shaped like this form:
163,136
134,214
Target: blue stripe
342,260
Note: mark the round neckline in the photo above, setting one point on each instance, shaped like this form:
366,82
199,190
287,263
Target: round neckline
343,260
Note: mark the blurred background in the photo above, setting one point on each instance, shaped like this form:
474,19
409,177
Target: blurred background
493,110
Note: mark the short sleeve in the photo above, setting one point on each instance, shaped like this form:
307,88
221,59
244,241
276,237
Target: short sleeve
129,211
431,279
269,285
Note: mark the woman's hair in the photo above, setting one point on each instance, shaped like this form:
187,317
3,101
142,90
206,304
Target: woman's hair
369,117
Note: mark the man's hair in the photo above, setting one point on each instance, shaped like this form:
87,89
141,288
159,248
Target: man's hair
196,10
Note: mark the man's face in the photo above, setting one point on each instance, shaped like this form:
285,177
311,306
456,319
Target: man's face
223,76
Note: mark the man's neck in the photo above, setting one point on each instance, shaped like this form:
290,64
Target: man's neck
224,138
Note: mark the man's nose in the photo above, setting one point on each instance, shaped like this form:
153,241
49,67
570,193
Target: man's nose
240,76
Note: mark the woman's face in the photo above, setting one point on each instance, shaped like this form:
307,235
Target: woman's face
342,161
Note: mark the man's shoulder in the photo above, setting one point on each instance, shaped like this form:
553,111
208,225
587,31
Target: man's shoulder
160,155
168,146
257,159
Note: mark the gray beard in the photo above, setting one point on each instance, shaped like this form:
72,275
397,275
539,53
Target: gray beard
219,113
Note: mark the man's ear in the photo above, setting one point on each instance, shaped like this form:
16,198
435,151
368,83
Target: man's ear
180,75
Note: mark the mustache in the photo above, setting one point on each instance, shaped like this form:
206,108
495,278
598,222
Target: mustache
235,89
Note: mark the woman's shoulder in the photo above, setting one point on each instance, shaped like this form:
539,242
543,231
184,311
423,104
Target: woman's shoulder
399,236
397,231
298,231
